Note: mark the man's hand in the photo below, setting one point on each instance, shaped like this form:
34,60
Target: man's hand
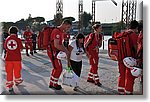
67,53
69,64
97,49
139,62
88,55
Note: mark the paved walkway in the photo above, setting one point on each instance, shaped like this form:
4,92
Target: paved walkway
36,72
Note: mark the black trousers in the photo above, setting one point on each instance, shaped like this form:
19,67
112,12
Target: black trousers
76,66
34,45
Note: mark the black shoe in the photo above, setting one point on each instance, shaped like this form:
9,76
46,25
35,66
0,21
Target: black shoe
11,91
76,88
90,81
31,53
98,84
129,93
27,54
58,87
35,52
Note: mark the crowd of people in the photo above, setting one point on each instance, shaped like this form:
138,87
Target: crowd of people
74,50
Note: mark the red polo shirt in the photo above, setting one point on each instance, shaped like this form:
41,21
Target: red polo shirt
95,42
57,34
13,46
28,35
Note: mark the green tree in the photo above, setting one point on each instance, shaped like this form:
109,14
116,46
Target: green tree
39,19
118,27
58,19
38,23
69,18
21,24
37,26
86,17
7,25
29,21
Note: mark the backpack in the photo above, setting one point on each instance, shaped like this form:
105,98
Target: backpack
47,42
139,54
40,40
44,37
86,39
113,49
119,46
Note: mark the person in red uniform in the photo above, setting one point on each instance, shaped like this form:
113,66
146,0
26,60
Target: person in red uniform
125,79
93,53
13,46
140,46
57,37
28,40
140,50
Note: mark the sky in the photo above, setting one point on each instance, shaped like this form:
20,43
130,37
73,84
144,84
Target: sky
14,10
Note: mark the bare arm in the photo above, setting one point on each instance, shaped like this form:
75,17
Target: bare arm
70,48
87,43
85,46
58,46
101,42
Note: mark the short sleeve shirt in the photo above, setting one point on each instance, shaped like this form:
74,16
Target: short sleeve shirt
75,55
95,42
56,34
28,35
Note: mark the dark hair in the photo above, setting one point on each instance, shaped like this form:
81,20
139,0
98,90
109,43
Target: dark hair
134,24
96,26
13,30
66,21
80,36
27,27
140,27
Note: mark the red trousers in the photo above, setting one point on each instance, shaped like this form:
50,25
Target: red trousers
57,68
13,68
27,45
93,74
125,80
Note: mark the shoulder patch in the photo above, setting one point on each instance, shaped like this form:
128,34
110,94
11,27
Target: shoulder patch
57,36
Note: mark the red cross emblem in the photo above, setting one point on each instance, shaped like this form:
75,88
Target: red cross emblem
12,44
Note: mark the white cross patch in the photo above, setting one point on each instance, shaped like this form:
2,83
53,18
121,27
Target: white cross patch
12,45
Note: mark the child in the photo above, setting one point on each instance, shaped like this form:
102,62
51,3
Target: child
76,50
13,46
